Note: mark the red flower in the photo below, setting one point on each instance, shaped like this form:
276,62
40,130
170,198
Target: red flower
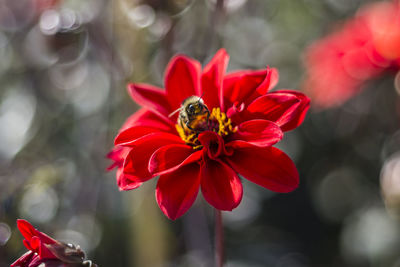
42,5
46,250
361,49
237,123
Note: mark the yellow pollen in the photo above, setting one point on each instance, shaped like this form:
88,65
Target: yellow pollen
218,122
189,138
225,124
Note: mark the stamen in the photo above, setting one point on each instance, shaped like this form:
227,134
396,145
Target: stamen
224,123
190,138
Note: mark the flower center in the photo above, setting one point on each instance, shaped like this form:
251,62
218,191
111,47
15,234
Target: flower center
218,122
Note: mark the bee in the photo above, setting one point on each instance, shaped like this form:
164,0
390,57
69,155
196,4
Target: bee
193,114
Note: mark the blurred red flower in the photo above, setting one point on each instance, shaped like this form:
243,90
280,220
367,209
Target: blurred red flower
46,251
42,5
361,49
239,122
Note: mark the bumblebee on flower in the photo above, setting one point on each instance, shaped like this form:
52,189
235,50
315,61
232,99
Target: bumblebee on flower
205,129
193,114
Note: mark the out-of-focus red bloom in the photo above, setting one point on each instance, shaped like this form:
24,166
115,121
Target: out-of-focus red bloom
46,251
245,120
42,5
360,50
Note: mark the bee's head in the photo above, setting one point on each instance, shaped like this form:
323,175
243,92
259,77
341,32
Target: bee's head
194,108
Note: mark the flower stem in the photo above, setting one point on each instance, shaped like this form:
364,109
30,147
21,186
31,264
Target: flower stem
219,239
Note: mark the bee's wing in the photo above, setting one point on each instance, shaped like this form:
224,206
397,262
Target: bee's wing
174,112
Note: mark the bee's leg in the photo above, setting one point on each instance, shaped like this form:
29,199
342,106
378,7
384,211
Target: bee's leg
208,112
208,115
187,125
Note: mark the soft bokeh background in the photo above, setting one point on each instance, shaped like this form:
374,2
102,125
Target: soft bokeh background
63,70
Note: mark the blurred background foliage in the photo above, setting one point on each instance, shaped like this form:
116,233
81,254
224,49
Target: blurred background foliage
63,70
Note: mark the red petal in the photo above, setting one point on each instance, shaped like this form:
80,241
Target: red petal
28,231
44,252
35,240
269,82
285,107
35,243
273,104
27,244
213,144
137,161
171,157
117,154
211,79
126,182
176,191
244,86
24,260
144,117
266,166
259,132
182,79
151,97
220,185
128,136
36,261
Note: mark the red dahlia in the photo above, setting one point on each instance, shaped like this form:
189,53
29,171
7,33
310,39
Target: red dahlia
205,129
361,49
